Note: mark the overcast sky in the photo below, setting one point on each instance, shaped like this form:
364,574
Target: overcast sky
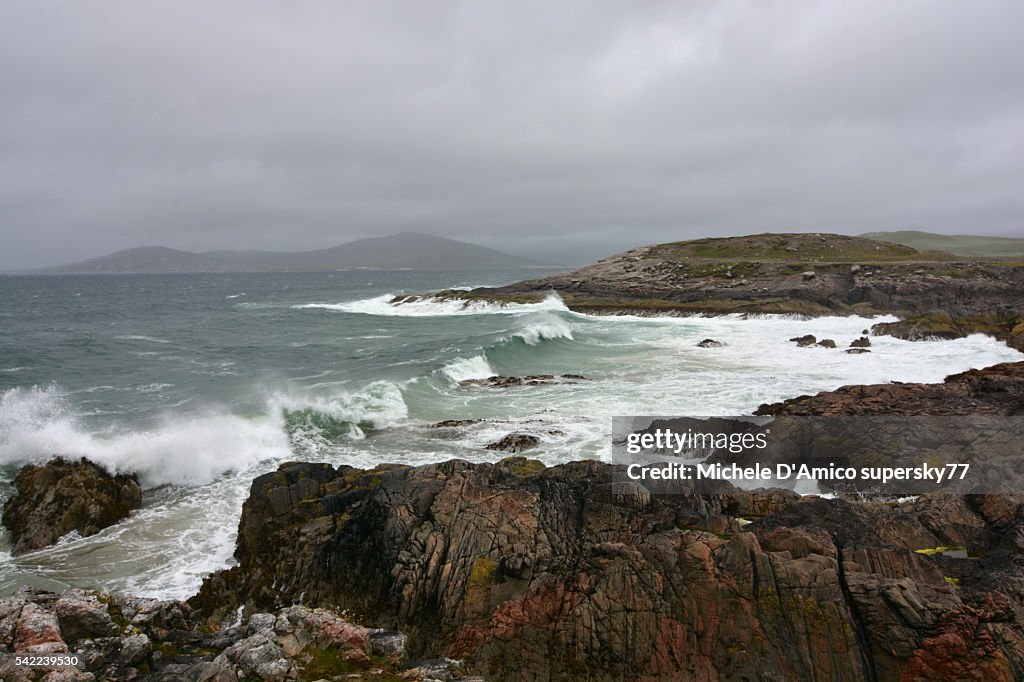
562,130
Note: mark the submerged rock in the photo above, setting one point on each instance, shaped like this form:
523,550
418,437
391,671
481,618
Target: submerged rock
856,351
62,496
710,343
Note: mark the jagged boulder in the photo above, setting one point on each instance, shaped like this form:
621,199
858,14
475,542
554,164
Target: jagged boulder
805,340
862,342
62,496
710,343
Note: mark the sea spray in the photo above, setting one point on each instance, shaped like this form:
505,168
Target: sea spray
38,423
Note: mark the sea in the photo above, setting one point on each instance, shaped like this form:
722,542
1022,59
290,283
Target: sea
198,383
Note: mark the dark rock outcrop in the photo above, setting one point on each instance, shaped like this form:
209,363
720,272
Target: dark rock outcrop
827,343
62,496
454,423
515,443
805,340
1005,322
862,342
1015,339
529,380
996,390
710,343
573,571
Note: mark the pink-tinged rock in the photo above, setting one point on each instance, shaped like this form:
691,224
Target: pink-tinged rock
38,632
323,629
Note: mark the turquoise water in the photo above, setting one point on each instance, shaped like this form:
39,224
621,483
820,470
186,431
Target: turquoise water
200,382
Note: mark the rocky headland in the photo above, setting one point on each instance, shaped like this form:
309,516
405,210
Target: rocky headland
936,294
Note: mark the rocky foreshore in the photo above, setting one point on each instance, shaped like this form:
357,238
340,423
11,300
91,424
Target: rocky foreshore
87,637
517,571
936,295
514,571
566,572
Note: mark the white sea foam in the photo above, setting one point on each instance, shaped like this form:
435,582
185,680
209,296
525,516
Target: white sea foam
464,369
433,307
38,423
141,337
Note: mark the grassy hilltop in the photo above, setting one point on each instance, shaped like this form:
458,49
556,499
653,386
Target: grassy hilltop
959,244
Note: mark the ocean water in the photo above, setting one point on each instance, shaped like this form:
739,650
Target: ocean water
199,383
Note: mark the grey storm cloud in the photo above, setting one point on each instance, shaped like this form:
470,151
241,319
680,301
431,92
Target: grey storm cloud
562,130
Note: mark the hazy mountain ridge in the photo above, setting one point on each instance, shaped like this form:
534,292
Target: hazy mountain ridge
420,251
959,244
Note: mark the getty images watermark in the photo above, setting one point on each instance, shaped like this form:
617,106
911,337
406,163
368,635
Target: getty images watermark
876,454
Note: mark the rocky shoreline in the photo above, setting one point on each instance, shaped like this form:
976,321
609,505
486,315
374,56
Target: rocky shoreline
517,571
936,295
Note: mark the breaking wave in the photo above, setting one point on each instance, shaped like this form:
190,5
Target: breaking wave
388,305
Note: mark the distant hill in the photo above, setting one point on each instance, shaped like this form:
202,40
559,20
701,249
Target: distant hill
146,259
960,244
417,251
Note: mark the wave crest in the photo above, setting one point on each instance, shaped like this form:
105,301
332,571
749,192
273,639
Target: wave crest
433,307
313,424
545,327
464,369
